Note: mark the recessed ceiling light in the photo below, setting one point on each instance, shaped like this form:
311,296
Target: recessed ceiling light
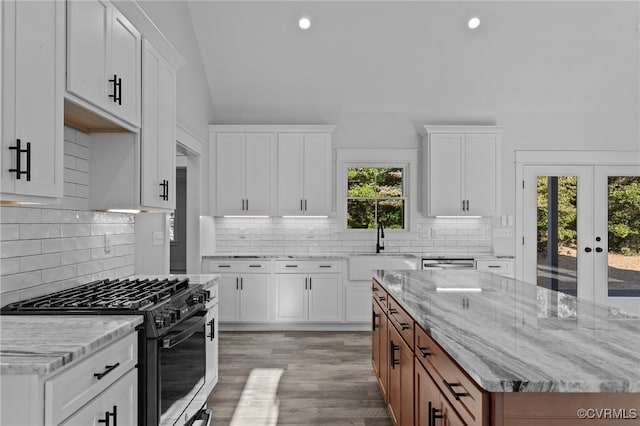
304,23
474,23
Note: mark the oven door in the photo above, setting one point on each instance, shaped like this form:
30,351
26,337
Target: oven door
182,367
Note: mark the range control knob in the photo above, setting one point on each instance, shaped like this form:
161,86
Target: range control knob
159,320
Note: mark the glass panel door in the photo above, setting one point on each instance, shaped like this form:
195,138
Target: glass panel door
617,237
558,222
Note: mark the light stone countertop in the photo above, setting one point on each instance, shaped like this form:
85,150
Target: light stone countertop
41,344
517,337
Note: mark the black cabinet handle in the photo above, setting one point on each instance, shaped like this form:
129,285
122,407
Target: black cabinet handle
424,352
237,283
290,266
373,321
117,89
467,205
19,151
108,415
587,249
404,326
301,205
392,352
309,283
599,249
392,311
455,394
434,415
305,205
381,298
241,282
212,329
305,283
165,190
247,204
462,205
108,369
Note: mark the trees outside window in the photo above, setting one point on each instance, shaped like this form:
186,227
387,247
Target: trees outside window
375,194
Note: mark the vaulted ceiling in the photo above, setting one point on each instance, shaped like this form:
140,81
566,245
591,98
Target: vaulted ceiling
414,57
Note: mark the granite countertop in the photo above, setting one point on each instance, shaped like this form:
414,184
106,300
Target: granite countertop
41,344
278,256
511,336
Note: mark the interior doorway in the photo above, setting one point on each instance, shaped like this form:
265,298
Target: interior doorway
178,225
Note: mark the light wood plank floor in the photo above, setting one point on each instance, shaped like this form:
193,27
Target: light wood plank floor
296,378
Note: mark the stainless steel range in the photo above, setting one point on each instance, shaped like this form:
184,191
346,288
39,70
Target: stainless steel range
174,313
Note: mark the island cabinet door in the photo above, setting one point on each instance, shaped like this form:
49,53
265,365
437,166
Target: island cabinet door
383,368
400,398
376,319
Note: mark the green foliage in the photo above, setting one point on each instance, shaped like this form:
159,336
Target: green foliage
623,213
375,194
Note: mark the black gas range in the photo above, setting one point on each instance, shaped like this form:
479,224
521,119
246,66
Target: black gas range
166,304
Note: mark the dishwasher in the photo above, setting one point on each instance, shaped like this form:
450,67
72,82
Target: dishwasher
431,263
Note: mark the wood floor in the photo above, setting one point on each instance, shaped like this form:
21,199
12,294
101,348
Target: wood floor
296,378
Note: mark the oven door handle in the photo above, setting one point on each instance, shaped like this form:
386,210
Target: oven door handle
171,341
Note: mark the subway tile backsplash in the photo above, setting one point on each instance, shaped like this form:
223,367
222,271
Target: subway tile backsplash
48,248
321,236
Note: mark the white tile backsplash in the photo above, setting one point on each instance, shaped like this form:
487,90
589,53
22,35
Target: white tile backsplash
49,248
321,236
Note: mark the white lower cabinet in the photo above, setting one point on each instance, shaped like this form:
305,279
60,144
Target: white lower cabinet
357,302
244,290
301,295
115,406
99,389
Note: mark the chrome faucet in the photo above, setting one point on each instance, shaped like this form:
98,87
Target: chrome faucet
379,237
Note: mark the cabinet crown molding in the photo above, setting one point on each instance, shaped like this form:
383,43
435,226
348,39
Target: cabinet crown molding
273,128
430,129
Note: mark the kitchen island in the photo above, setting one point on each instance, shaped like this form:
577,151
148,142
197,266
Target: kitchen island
476,348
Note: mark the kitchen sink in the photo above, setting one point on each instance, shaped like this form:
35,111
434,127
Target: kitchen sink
362,265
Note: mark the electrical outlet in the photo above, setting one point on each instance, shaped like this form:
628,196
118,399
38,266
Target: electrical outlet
242,233
107,243
502,232
310,233
157,238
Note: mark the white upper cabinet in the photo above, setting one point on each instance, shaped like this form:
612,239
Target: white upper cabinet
462,172
304,173
32,100
103,59
158,134
243,168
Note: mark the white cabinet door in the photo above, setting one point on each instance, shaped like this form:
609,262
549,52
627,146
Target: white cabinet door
257,173
255,291
228,289
123,61
291,297
87,38
158,147
290,174
464,170
304,173
104,58
229,173
481,179
317,173
117,405
325,297
445,174
211,348
357,303
32,99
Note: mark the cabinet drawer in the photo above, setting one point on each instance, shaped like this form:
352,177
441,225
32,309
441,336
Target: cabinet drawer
402,321
468,400
120,401
222,266
66,392
500,267
379,295
307,266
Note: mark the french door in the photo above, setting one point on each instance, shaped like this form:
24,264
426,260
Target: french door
581,231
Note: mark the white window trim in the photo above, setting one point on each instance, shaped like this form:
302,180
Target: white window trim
405,158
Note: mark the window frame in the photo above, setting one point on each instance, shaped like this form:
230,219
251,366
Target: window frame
387,158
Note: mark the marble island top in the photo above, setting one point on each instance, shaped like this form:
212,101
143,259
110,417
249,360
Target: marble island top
511,336
41,344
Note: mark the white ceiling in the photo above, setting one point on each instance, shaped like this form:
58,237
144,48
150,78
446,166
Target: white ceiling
414,57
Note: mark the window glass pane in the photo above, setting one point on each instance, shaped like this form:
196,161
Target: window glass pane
391,213
389,182
624,236
361,214
361,182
